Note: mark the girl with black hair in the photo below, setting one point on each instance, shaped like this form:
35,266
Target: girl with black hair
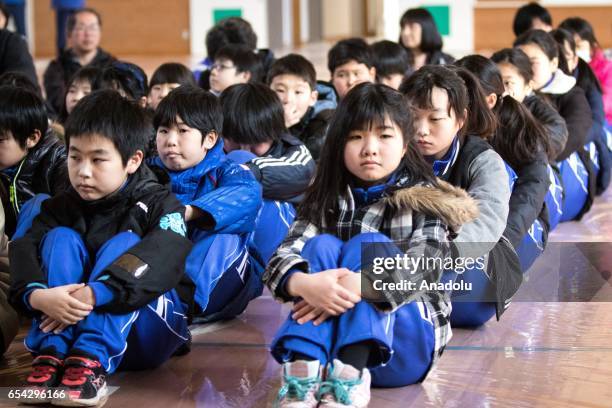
523,144
421,38
167,77
575,164
81,84
372,186
586,79
517,76
452,133
588,48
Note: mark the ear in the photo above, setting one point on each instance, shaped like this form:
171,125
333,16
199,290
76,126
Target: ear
529,87
314,95
143,102
246,76
210,139
491,100
461,119
373,74
554,64
134,162
33,139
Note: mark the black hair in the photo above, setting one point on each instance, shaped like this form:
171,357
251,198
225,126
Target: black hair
542,39
523,19
197,108
21,113
7,14
87,73
232,30
517,58
519,137
487,73
418,88
586,77
390,58
172,73
72,19
431,40
107,114
244,59
481,121
124,77
252,114
351,49
516,136
294,64
365,106
582,28
19,80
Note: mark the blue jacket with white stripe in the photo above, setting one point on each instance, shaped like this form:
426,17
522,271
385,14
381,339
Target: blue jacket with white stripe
227,194
285,170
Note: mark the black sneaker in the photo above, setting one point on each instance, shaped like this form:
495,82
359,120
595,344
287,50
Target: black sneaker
83,383
45,375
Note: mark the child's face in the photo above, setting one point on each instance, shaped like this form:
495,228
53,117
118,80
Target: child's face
181,147
224,74
394,80
514,83
295,95
258,149
77,91
159,92
583,48
95,167
373,154
11,152
543,68
537,24
435,127
570,56
352,73
411,35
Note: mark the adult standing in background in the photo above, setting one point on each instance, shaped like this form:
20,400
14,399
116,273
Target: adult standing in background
16,9
63,10
14,55
83,30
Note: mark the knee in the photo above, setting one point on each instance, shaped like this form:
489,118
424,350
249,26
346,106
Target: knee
119,243
352,250
61,235
321,248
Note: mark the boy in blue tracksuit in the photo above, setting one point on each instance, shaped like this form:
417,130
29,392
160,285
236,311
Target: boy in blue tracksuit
221,199
99,270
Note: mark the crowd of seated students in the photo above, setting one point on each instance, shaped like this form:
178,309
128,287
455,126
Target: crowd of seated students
134,208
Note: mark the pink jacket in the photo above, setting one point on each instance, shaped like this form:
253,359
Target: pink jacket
603,70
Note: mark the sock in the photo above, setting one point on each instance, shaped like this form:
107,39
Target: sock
299,356
356,354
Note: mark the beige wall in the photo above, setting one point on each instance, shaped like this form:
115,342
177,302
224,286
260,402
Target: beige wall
134,27
342,19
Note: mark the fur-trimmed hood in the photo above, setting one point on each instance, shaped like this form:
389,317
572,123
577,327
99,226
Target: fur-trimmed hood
451,204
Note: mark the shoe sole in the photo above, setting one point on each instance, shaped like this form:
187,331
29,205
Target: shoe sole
92,402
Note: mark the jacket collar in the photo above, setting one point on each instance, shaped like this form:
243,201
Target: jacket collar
445,164
559,84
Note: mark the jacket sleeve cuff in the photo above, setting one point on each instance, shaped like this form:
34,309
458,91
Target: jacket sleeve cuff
102,293
282,285
254,169
31,288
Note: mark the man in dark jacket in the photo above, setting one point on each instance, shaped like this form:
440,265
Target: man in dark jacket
14,55
83,31
102,260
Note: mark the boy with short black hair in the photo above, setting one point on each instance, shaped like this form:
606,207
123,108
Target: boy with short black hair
32,159
254,134
392,63
294,80
234,64
350,62
102,260
221,198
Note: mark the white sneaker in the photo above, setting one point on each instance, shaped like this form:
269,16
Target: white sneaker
300,384
345,386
